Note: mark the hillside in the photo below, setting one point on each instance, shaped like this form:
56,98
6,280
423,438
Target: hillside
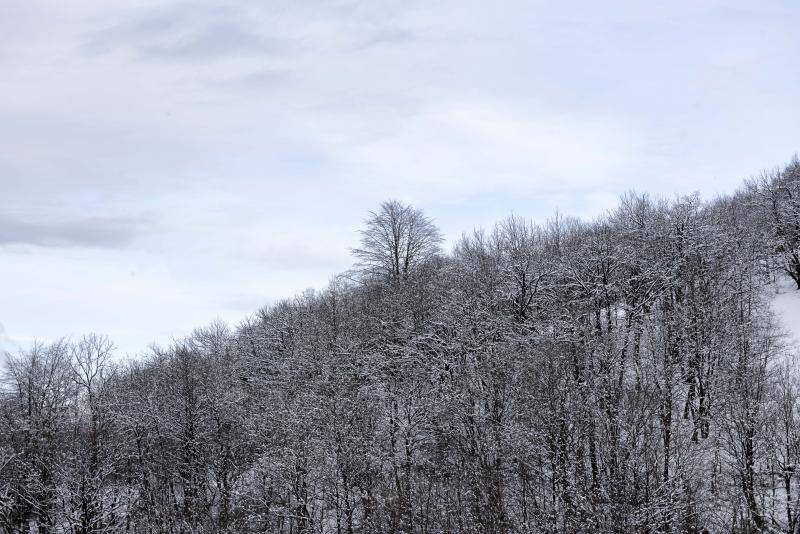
613,375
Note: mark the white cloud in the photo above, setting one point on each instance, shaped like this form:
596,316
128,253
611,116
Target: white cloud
476,147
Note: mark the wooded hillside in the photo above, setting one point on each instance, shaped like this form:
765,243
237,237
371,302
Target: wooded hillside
617,375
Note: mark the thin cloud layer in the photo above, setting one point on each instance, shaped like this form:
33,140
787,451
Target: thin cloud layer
182,33
224,150
84,232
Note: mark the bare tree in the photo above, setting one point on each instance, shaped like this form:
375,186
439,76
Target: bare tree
397,240
776,196
90,505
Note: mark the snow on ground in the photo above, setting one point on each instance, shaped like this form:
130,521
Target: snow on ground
785,303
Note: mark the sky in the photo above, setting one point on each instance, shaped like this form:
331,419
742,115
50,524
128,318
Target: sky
166,164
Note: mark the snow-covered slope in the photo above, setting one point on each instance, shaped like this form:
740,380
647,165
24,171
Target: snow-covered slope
785,302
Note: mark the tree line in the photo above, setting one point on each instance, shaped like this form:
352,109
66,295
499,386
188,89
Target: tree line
623,374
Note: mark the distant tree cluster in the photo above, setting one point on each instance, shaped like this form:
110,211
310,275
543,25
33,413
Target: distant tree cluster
619,375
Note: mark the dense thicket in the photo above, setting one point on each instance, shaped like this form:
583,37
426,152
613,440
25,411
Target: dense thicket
619,375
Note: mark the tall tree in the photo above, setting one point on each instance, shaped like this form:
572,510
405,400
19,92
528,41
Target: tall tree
398,239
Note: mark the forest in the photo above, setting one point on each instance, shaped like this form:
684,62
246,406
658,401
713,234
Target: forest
622,374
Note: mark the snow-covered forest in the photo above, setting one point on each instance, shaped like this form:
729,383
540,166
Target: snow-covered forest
626,374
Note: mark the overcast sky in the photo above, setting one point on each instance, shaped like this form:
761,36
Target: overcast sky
163,164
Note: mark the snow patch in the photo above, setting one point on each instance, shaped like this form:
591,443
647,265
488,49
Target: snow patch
785,303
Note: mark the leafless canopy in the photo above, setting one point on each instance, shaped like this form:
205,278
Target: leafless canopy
397,239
